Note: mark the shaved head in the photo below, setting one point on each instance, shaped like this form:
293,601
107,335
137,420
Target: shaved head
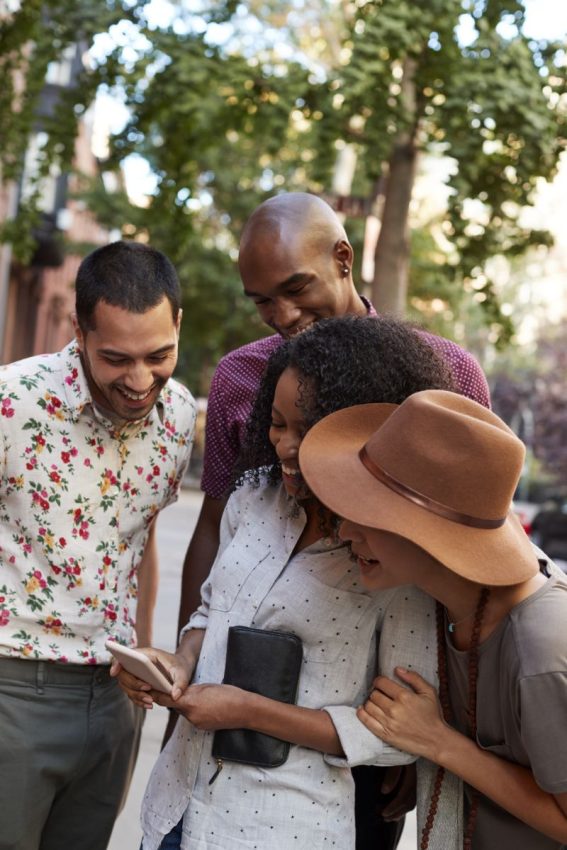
291,217
295,262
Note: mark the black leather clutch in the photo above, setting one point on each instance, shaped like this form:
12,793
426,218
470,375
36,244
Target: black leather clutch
266,663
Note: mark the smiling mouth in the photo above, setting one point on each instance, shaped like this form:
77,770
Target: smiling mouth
297,331
363,563
291,472
132,396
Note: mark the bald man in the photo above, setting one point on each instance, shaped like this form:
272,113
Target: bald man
295,262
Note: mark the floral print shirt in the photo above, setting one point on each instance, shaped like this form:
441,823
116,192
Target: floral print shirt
77,498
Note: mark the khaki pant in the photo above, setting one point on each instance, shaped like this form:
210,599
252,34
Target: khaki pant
68,742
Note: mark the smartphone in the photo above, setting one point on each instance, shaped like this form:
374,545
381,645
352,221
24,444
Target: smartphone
135,662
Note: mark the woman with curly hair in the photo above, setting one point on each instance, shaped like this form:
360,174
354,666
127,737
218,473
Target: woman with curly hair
280,567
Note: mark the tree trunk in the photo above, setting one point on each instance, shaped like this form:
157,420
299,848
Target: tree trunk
391,259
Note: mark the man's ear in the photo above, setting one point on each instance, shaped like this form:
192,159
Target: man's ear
344,255
79,335
178,322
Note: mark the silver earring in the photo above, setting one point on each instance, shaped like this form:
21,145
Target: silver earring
345,270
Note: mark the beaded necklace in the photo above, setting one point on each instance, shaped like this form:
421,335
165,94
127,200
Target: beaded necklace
448,714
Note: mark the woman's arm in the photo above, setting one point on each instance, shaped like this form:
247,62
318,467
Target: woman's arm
412,721
214,707
148,578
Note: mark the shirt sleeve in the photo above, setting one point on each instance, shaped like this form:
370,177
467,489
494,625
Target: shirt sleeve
3,458
469,377
361,746
186,438
543,701
221,441
6,410
407,639
228,526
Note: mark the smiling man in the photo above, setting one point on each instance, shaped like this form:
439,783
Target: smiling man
94,441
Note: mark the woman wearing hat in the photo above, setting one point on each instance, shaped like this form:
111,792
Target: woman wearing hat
425,490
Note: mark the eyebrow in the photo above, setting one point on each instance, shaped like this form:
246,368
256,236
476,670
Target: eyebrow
114,353
289,281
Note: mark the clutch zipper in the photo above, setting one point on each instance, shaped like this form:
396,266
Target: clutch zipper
220,765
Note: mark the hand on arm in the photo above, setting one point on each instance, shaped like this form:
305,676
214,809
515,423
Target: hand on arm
412,721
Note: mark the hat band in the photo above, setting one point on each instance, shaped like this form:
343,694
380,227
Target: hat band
424,501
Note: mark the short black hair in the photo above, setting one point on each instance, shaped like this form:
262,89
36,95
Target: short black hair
341,362
130,275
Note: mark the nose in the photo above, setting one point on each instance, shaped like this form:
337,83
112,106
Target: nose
348,531
139,377
287,447
285,314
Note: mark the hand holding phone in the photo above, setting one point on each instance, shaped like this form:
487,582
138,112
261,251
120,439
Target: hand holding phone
138,664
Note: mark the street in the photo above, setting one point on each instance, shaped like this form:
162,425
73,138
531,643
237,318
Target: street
174,530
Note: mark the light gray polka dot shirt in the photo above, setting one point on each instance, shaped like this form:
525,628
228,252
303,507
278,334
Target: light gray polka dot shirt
317,594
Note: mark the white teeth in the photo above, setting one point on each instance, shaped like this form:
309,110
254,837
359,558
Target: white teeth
135,396
289,470
298,331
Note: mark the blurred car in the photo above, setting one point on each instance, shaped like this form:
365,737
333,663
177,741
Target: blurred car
548,530
526,511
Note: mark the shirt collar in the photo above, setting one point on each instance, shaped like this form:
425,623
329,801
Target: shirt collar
369,306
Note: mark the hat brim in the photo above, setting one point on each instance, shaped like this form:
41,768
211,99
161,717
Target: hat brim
330,464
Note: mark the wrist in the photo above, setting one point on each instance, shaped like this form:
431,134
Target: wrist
446,745
249,706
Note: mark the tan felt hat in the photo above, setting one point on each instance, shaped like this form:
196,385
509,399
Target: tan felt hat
439,470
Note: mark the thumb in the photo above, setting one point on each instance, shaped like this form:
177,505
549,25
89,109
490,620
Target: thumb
180,681
413,679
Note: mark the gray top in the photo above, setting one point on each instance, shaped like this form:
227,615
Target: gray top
317,594
521,706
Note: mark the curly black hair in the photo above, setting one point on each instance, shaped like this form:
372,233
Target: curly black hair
341,362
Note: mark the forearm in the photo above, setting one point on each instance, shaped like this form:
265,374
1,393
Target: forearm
306,727
190,646
199,559
148,578
510,785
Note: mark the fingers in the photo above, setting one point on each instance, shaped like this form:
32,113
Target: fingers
387,687
392,690
163,699
180,678
175,665
134,688
414,680
371,720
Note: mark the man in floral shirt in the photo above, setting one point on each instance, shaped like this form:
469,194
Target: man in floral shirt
94,441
